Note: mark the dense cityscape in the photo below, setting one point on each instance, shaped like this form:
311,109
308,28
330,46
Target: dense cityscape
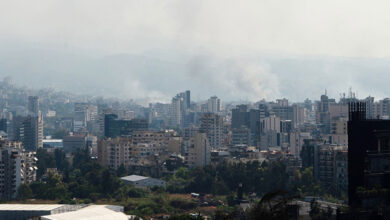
194,110
190,160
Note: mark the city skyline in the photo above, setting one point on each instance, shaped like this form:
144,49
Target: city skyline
194,109
239,51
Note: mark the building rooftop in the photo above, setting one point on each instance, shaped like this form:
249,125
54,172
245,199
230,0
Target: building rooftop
29,207
96,212
134,178
52,141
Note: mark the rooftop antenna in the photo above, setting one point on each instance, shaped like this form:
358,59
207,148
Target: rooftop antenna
350,93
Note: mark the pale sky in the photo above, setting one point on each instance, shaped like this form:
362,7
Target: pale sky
222,47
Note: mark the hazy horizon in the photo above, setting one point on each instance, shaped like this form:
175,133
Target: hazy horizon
148,51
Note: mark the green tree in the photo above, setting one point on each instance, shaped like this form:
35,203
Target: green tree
121,171
272,205
45,160
24,192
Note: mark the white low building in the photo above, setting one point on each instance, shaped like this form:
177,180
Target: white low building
93,212
143,181
61,212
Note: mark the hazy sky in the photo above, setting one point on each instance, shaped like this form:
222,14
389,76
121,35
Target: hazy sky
238,50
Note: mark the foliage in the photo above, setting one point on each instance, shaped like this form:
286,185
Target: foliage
121,171
185,217
273,205
87,180
45,160
316,213
306,184
183,204
24,192
225,178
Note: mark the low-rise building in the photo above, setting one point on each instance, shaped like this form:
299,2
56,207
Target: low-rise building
143,181
60,211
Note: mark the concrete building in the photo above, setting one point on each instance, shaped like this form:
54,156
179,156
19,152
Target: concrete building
214,104
240,116
115,127
175,112
338,132
329,162
298,115
53,143
271,123
16,167
198,151
61,212
341,168
296,142
31,132
113,153
212,125
167,140
143,181
241,136
33,106
73,143
147,149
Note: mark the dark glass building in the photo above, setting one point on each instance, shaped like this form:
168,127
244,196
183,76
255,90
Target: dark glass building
114,127
368,159
3,125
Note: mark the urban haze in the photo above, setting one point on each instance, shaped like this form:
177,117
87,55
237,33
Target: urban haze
197,109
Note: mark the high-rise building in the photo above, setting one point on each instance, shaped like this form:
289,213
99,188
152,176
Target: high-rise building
198,151
33,106
212,125
296,142
214,104
263,108
115,152
329,162
4,125
31,133
323,115
299,115
114,127
188,99
271,123
175,112
283,112
368,158
77,142
240,116
84,113
29,129
16,167
254,125
168,139
241,136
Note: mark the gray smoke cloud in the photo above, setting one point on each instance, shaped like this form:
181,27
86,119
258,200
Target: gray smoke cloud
149,50
243,80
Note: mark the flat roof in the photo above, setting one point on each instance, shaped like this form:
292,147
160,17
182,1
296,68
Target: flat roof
96,212
29,207
134,178
52,141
